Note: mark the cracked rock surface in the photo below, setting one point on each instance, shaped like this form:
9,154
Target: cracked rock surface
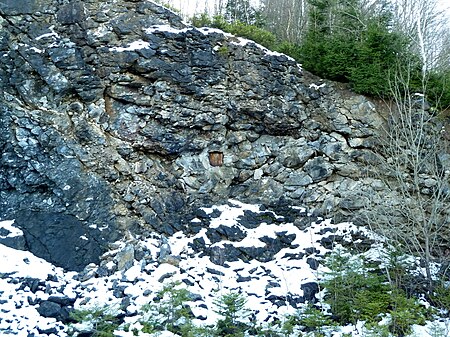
117,117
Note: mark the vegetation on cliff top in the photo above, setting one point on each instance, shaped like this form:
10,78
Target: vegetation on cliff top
351,41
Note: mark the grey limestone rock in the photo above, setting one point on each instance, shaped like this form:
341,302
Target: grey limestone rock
125,257
116,117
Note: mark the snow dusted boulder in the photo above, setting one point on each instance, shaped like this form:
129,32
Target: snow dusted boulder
50,309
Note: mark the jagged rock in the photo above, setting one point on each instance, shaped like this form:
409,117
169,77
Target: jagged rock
233,233
49,309
125,257
229,252
164,250
88,272
318,169
11,236
252,220
310,290
313,263
32,283
171,259
48,331
64,301
243,279
115,117
353,203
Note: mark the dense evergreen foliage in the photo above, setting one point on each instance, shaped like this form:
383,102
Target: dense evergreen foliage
238,28
343,41
358,290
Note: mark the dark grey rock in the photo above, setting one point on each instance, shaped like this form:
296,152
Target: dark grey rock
48,331
310,290
49,309
16,242
220,255
15,7
295,301
118,291
318,169
107,123
243,279
125,257
233,233
313,263
330,241
164,249
58,238
32,283
277,300
252,220
214,271
353,203
63,301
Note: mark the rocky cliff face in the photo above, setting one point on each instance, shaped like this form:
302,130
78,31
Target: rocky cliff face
116,117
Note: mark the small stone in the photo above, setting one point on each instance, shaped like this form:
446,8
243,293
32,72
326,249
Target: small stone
313,263
430,182
310,290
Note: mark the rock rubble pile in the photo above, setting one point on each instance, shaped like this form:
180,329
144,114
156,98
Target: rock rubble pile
239,247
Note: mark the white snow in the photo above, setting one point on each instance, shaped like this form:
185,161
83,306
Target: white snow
165,28
135,45
52,34
9,226
102,30
316,87
256,279
37,50
208,30
243,42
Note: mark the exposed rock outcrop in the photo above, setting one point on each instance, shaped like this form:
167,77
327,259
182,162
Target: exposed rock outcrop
115,116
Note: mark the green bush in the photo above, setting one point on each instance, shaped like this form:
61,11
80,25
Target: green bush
354,292
259,35
169,311
232,308
313,319
365,60
238,28
441,296
291,49
404,313
104,323
376,330
439,89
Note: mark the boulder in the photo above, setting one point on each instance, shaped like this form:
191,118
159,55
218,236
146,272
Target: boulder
125,257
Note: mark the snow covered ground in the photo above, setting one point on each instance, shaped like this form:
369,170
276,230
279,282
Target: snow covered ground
235,247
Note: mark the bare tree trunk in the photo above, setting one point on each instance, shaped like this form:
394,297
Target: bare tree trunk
286,18
425,22
413,209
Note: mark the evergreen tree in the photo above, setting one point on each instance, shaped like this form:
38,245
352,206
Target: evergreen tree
232,309
347,42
